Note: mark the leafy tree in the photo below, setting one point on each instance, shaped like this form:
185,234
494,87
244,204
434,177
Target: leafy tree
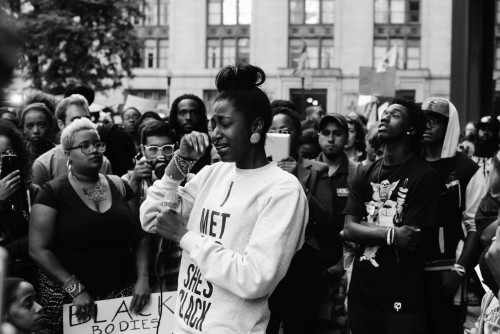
91,42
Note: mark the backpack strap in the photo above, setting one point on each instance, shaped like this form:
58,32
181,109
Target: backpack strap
118,182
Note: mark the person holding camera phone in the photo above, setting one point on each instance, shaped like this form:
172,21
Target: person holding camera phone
245,217
16,194
158,143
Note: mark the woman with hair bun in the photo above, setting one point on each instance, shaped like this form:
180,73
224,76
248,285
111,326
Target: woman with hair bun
245,217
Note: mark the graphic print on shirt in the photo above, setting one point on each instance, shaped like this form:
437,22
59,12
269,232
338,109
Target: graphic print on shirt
195,293
382,211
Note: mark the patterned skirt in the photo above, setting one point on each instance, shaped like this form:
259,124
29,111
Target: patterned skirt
53,297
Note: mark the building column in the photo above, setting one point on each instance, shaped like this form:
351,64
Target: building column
472,52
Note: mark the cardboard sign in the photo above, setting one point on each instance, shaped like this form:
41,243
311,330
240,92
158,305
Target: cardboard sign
114,317
377,83
140,103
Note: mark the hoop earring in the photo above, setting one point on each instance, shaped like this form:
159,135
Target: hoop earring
255,138
68,164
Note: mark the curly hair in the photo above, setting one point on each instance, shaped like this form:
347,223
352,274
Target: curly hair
417,121
359,143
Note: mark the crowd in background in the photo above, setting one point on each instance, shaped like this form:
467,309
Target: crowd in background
70,223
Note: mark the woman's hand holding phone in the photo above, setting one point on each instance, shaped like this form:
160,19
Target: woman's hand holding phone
9,185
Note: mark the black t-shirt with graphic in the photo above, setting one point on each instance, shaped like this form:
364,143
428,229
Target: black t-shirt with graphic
404,194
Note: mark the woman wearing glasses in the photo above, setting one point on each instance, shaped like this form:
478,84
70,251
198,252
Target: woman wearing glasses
83,228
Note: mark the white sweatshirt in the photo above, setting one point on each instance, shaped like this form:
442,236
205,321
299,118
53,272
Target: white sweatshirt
244,226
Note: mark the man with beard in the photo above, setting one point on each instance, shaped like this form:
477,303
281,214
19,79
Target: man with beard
443,271
486,144
187,114
391,209
158,143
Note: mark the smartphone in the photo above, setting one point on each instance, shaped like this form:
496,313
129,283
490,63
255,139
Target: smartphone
277,146
10,163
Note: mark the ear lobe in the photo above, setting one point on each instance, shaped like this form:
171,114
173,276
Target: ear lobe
66,153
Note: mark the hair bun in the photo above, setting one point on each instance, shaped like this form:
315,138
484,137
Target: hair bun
243,76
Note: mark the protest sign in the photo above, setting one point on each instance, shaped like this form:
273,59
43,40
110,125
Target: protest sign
115,317
139,103
375,83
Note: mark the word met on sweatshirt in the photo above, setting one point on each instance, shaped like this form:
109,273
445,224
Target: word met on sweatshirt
213,223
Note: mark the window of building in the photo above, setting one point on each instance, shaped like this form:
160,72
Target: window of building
397,11
163,12
319,52
408,52
155,13
397,24
244,50
229,12
154,54
213,53
226,51
163,54
150,51
151,13
311,11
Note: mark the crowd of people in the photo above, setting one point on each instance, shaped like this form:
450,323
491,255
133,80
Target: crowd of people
362,228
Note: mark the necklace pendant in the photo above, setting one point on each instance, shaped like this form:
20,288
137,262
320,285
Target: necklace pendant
95,194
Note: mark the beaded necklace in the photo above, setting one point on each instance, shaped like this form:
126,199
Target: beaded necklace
95,193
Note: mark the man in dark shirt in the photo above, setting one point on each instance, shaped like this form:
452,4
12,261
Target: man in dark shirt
391,207
333,130
443,271
333,136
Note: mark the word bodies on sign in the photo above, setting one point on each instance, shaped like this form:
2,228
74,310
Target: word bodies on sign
115,317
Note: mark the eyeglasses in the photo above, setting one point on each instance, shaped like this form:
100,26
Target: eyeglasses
88,148
154,151
283,131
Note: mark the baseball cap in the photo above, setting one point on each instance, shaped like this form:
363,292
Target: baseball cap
437,105
336,118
